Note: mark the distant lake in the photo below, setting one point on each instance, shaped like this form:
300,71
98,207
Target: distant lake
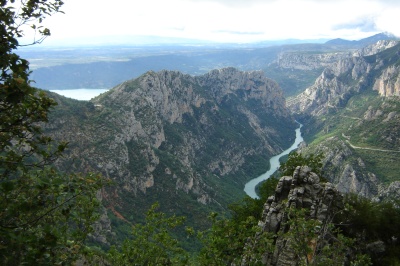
80,94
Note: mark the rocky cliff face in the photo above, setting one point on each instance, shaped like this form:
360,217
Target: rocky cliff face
188,142
392,192
345,168
388,83
376,64
352,126
152,108
309,61
309,222
304,191
375,48
253,83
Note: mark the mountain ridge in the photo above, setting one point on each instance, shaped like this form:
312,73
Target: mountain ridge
173,138
106,67
354,105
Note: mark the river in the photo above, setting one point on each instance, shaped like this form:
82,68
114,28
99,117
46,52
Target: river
250,187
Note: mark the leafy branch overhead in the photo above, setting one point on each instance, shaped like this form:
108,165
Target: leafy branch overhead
46,215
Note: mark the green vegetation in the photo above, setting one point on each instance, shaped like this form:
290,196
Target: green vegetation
367,125
383,164
45,215
152,243
317,247
347,238
292,81
295,159
369,222
350,237
225,242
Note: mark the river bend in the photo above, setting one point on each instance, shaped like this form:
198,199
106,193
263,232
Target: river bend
250,187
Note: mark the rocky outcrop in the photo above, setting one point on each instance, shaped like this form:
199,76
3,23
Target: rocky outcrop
332,88
253,84
304,191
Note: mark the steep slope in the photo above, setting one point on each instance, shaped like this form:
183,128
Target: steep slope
293,237
188,142
352,116
306,221
296,68
345,77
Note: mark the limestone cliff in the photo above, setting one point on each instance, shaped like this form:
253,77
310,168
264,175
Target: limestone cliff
345,168
309,61
354,127
375,48
388,83
304,191
189,142
374,66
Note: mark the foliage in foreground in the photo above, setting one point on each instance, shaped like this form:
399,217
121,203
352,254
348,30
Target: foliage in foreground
346,240
375,226
297,159
45,216
152,243
225,242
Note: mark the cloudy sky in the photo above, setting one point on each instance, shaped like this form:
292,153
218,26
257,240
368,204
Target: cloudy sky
223,20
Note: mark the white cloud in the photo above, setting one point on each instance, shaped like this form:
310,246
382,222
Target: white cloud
226,20
389,21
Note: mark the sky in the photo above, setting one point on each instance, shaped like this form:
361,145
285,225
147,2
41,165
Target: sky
225,21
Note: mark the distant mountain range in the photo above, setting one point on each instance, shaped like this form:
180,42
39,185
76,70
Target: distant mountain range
145,40
365,41
97,67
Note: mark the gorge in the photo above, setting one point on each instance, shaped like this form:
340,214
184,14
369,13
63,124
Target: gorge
155,169
173,138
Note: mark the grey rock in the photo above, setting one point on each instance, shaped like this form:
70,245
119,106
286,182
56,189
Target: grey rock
376,247
331,91
391,192
303,190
